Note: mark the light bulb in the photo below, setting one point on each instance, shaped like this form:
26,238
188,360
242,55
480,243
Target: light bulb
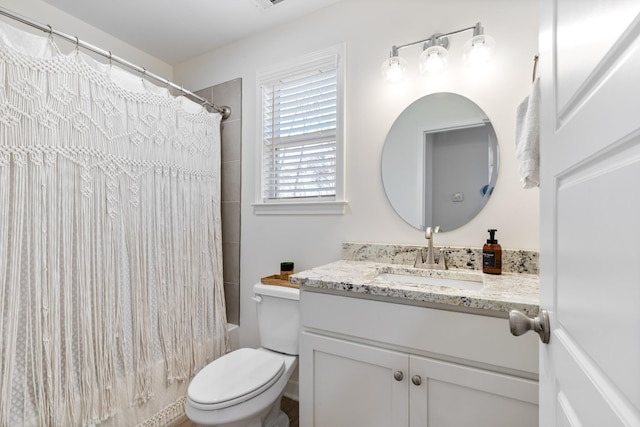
479,49
394,69
433,60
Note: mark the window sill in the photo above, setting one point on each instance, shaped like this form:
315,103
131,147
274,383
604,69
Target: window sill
300,208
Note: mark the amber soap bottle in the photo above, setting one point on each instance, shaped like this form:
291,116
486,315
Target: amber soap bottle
492,255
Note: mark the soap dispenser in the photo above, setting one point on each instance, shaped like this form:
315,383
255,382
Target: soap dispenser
492,255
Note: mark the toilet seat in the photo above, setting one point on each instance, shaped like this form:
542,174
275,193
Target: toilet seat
234,378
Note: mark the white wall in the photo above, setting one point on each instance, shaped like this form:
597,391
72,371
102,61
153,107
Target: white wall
369,28
45,14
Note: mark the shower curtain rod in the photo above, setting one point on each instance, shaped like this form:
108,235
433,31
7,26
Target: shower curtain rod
224,110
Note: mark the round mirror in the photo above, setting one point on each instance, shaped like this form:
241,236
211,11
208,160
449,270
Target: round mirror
440,162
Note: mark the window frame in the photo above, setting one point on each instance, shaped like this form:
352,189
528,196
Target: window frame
327,205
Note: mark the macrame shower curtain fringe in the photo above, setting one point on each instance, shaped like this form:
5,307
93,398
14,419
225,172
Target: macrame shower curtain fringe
110,239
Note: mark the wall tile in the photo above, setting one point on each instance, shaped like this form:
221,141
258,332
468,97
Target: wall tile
231,222
205,93
232,299
231,262
231,140
231,181
229,94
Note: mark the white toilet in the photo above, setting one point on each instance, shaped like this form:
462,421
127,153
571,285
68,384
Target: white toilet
244,388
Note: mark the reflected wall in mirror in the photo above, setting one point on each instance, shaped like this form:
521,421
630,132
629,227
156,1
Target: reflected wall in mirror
440,162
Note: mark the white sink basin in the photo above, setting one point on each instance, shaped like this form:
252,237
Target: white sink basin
433,281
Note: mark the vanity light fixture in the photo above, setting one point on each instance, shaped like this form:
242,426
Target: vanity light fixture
433,59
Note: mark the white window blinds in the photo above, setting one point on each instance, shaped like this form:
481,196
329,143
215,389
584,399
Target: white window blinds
299,133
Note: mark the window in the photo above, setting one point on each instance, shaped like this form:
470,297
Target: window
302,158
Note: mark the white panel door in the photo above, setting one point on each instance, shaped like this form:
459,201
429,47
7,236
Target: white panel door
590,212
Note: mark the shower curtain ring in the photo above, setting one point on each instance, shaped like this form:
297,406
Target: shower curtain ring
144,72
77,45
51,41
50,33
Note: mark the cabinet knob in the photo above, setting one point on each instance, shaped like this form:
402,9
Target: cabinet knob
398,375
416,380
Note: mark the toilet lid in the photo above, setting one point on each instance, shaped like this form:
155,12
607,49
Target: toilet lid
235,377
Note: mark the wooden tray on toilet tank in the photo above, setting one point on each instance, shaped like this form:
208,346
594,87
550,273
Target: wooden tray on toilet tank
278,280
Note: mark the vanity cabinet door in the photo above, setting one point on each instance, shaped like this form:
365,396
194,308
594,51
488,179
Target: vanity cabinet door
454,395
346,384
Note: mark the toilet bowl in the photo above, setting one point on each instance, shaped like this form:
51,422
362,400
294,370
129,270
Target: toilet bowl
244,388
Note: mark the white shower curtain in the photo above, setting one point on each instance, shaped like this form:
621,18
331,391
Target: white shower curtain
111,293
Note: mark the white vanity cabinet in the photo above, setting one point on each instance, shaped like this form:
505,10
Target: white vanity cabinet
374,363
450,394
351,384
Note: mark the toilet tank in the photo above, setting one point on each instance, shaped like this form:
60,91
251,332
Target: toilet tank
278,310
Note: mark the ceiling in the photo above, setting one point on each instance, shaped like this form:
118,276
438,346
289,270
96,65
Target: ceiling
174,31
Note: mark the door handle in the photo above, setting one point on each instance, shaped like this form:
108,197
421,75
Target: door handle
520,323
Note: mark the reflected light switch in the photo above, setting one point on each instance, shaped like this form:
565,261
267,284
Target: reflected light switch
458,197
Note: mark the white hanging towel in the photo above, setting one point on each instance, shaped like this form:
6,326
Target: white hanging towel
528,138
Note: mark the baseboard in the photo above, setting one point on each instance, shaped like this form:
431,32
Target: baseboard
293,386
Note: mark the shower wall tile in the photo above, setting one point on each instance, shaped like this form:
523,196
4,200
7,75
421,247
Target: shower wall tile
231,181
230,94
205,93
231,262
232,297
230,140
231,222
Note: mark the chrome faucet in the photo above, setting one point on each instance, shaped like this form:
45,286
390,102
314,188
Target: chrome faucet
430,262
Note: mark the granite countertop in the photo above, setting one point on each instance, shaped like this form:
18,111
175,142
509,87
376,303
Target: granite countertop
499,293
